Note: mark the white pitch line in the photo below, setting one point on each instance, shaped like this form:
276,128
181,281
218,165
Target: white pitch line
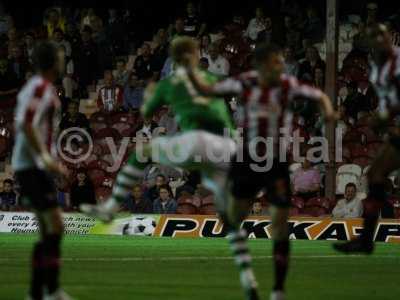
188,258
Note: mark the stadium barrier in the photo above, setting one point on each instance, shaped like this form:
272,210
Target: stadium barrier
181,226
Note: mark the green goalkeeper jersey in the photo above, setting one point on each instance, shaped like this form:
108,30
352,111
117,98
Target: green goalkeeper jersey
191,110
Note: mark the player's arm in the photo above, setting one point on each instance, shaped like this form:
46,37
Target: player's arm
308,92
227,87
153,98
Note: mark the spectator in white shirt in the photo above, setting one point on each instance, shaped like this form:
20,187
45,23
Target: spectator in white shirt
349,207
256,25
218,64
59,40
291,64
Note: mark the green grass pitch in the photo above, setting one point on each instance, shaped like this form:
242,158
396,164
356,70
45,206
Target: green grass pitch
122,267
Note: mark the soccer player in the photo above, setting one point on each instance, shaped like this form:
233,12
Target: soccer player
385,76
35,166
201,146
267,95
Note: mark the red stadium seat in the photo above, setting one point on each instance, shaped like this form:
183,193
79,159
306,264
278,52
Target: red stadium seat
207,205
317,206
297,202
188,205
106,133
97,176
362,161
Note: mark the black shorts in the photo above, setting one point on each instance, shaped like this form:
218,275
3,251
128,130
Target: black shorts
37,189
247,181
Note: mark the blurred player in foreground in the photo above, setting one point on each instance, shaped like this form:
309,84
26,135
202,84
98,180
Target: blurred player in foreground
36,117
385,76
205,144
267,95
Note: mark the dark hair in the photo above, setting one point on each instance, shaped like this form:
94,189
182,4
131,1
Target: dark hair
264,51
166,187
162,175
44,56
87,29
9,181
58,30
351,184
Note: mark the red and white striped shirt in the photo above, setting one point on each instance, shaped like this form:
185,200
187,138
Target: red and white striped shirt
38,106
266,109
386,81
110,98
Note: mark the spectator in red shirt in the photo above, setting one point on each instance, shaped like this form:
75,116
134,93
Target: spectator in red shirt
110,96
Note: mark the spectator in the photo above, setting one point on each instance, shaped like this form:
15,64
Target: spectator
257,209
59,40
121,74
256,25
178,29
8,198
205,42
54,21
137,203
110,97
73,118
161,49
319,77
313,27
165,204
351,206
306,181
146,128
6,21
151,172
85,60
269,34
82,190
29,46
292,35
291,64
168,122
193,26
219,65
18,62
167,68
67,73
133,93
9,82
313,60
88,18
355,101
372,13
145,65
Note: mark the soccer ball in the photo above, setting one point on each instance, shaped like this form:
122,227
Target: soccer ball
140,226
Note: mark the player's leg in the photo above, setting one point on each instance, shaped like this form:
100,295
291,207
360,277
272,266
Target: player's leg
130,173
387,161
279,195
52,232
38,187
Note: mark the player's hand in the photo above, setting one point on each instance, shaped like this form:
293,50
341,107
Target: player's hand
332,116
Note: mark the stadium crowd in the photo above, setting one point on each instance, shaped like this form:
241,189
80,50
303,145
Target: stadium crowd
108,66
